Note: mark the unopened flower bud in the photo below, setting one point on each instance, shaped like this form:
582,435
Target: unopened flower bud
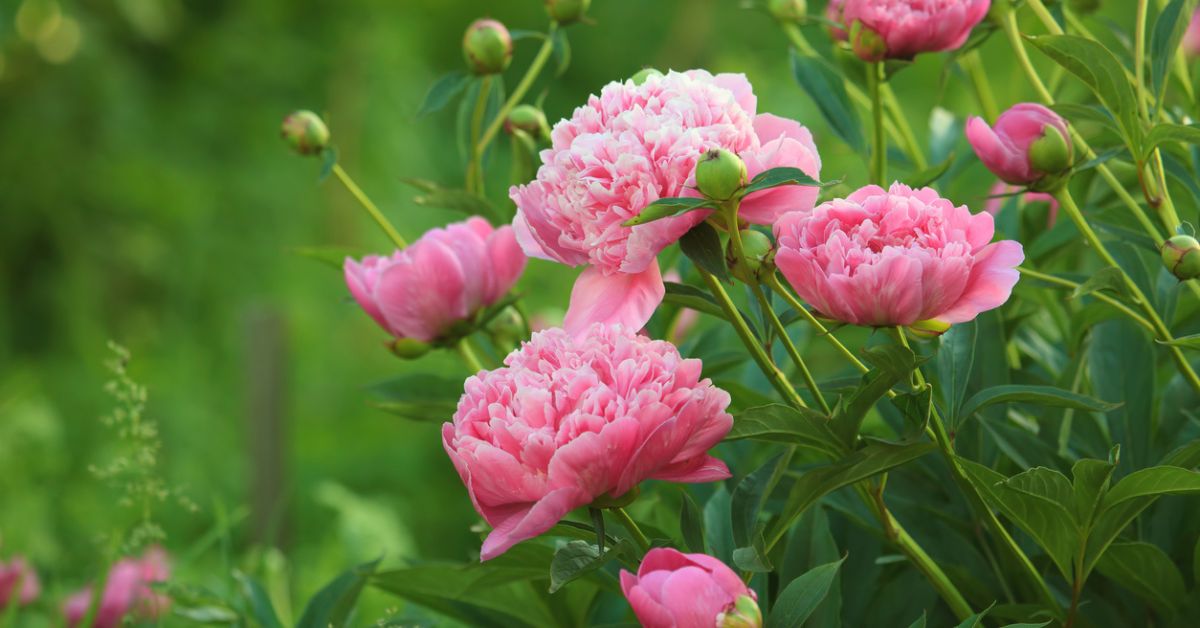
305,132
743,614
866,43
507,328
1084,7
927,329
1052,153
1181,254
1028,145
720,174
644,74
788,10
757,248
487,47
527,118
409,348
567,11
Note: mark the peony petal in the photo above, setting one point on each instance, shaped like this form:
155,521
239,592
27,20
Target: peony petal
992,280
423,295
621,298
526,523
507,262
526,239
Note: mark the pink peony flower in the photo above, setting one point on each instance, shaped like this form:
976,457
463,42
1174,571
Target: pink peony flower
1005,148
18,573
1191,37
570,418
997,200
628,147
443,278
895,257
677,590
127,590
908,27
833,13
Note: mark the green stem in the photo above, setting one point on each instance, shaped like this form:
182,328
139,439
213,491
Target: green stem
774,284
973,64
792,351
878,137
369,206
522,87
1139,57
475,166
1066,283
468,356
639,537
1067,202
907,139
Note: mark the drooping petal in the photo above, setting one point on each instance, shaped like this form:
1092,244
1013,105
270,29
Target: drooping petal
991,283
624,299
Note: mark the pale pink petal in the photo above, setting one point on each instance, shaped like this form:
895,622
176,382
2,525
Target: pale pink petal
620,298
423,295
992,280
526,524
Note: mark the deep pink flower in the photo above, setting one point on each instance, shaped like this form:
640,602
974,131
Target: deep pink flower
628,147
127,591
1191,37
909,27
895,257
677,590
18,572
1004,148
572,417
443,278
997,200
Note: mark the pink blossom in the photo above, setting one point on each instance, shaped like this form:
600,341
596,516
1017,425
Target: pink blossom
127,591
833,13
440,280
1191,37
895,257
677,590
628,147
997,200
1004,147
16,573
909,27
570,418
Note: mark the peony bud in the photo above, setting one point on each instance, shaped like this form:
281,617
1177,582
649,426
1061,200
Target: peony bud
487,47
720,174
788,10
567,11
1029,145
744,614
1053,153
409,348
927,329
644,74
527,118
1181,254
868,45
305,132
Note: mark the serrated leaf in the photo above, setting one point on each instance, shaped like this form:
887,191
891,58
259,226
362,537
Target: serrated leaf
1038,395
702,245
1145,570
576,559
778,423
801,596
667,208
691,525
333,603
775,177
827,88
442,91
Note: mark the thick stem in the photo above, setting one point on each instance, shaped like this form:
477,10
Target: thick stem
522,87
878,137
358,194
973,64
475,166
792,351
639,537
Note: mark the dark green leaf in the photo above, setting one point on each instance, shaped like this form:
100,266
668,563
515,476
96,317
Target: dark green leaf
445,88
1188,342
1184,133
776,177
827,87
918,622
1108,278
1152,482
802,427
575,559
748,496
955,359
702,245
561,52
1090,482
333,603
689,296
752,558
892,364
329,159
668,207
1077,113
974,621
261,608
802,596
1040,395
1136,492
495,593
691,525
1164,42
1145,570
930,175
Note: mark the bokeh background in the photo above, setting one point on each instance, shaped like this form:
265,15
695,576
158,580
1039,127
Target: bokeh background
145,198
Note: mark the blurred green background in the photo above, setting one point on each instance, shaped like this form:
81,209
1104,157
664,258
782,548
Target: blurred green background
146,198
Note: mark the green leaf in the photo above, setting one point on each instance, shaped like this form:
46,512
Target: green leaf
460,201
691,525
561,52
575,559
930,175
955,359
1184,133
1039,395
1164,42
417,397
1077,113
1138,491
1188,342
776,177
668,207
206,615
261,608
329,159
801,596
1092,63
753,558
334,256
918,622
893,363
1145,570
1108,278
747,499
333,603
827,88
1043,483
442,91
778,423
974,621
1090,482
1152,482
702,245
691,297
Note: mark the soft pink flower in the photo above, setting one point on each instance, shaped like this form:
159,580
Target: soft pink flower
997,199
677,590
1004,148
909,27
895,257
17,571
833,13
1191,37
127,591
443,278
628,147
572,417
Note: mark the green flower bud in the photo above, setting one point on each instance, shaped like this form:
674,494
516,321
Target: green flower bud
1053,153
720,174
866,43
487,47
757,248
305,132
409,348
507,327
927,329
567,11
1181,254
788,10
744,614
1084,7
527,118
644,74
